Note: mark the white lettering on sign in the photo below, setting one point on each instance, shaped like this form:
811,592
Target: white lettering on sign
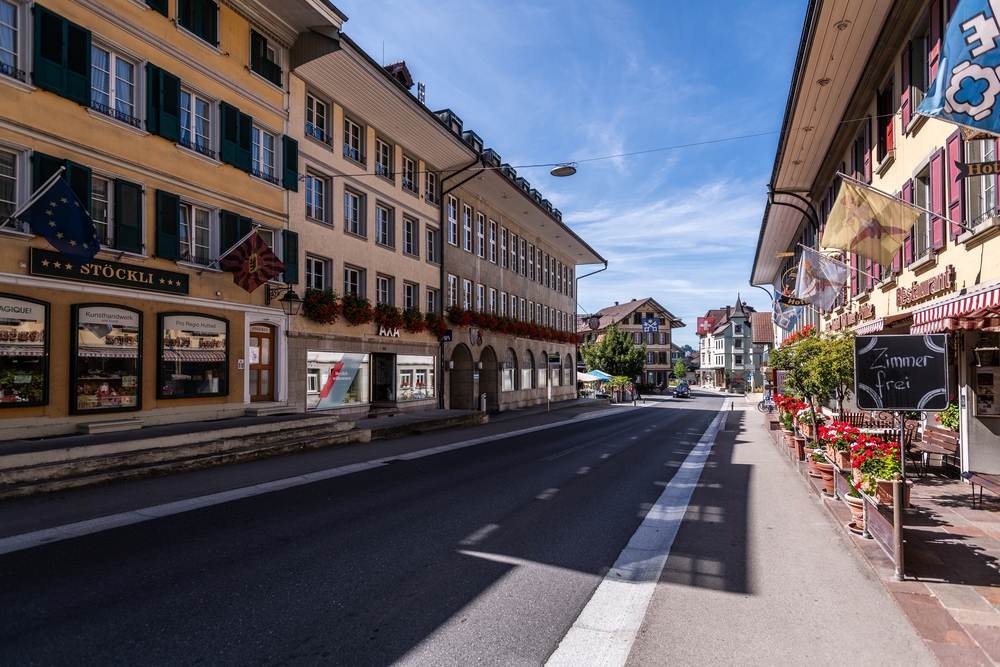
390,333
194,324
883,361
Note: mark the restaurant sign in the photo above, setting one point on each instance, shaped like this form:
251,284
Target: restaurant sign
942,282
865,312
55,265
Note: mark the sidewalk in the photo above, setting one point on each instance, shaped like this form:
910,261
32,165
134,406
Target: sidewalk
951,594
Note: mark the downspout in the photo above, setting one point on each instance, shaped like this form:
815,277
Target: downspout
441,224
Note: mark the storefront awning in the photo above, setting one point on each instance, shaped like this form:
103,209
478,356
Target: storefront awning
964,312
38,351
194,355
869,328
108,353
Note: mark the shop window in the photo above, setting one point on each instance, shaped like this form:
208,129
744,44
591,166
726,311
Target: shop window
414,377
336,379
508,378
23,352
528,370
107,350
194,353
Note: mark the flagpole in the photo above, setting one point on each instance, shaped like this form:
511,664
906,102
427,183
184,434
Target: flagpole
222,256
837,261
903,201
35,197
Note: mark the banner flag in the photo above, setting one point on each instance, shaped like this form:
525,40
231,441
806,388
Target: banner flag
868,223
786,316
966,86
820,279
252,263
61,218
706,325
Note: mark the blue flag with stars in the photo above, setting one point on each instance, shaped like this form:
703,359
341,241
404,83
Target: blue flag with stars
61,219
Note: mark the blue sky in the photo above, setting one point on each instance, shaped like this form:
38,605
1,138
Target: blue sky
578,79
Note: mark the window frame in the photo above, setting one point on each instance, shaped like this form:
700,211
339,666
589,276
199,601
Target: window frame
411,295
354,132
310,195
493,242
466,294
411,236
19,70
409,175
214,233
385,289
466,228
209,149
433,238
357,227
385,229
384,154
110,110
258,151
452,287
358,282
198,15
325,273
480,235
313,129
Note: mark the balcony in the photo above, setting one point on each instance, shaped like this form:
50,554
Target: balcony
354,154
266,175
317,133
13,72
409,184
431,199
384,171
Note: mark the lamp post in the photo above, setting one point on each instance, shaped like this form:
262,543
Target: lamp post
290,301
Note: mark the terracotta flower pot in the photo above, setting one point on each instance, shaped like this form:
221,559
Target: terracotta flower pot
857,506
843,460
789,437
800,449
826,471
884,492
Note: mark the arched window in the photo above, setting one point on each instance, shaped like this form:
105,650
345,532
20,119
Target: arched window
509,376
528,370
567,371
543,362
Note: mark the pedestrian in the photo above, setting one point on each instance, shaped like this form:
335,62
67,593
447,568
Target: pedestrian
636,389
660,388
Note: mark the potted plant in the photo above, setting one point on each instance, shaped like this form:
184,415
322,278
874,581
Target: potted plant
321,306
825,470
436,324
874,462
838,438
413,320
388,316
949,417
856,504
356,309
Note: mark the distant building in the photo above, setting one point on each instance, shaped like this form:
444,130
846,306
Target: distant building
731,353
629,317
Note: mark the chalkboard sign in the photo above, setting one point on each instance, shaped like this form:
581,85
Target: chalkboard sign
901,372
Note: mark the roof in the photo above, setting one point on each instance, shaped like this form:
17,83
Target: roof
760,326
724,315
619,312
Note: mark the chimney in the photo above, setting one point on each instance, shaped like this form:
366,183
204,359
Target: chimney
616,303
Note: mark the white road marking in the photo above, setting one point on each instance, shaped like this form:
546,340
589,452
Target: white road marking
480,535
583,471
547,494
605,630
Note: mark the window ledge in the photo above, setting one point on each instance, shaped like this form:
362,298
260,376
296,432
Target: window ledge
887,284
916,122
386,246
410,255
184,31
328,225
253,74
14,231
198,267
117,123
925,263
266,182
196,154
19,85
355,235
886,162
982,233
862,297
118,255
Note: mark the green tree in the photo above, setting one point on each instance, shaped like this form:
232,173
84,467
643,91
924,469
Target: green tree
680,369
615,354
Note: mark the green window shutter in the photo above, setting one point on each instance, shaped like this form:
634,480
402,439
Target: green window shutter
78,177
258,52
209,22
245,161
168,225
290,163
230,144
128,216
170,107
152,98
234,228
42,168
77,63
159,5
49,70
290,256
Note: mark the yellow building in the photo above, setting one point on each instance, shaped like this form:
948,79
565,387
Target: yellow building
170,120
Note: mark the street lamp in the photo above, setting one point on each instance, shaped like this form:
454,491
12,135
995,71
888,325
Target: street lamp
566,169
290,301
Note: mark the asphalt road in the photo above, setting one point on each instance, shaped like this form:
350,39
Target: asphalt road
478,556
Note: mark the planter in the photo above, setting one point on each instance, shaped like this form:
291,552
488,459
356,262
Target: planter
789,437
814,469
808,430
843,459
857,506
800,449
826,472
884,492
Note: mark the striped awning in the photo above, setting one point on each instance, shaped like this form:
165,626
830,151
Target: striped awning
965,312
108,352
20,351
194,355
869,328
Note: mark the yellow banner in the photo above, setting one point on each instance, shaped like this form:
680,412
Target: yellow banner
868,223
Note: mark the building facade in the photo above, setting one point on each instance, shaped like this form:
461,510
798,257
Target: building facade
169,122
857,116
728,355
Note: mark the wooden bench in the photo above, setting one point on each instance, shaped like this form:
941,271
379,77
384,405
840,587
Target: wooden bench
936,440
989,482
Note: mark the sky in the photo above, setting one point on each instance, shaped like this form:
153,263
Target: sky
573,80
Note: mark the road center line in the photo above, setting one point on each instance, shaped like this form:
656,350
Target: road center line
605,630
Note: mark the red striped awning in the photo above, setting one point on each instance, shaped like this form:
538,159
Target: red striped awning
869,328
194,355
108,352
965,312
20,351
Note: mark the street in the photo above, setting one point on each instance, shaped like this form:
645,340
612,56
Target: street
479,555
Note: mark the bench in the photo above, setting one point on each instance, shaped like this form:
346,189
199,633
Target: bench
936,440
989,482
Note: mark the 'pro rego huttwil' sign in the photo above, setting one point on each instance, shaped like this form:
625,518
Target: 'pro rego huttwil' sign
901,372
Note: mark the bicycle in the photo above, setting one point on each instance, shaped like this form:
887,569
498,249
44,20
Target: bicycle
767,406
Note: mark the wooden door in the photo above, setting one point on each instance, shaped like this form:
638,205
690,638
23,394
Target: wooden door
261,362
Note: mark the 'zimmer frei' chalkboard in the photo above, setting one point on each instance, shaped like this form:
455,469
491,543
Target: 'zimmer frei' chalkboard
901,372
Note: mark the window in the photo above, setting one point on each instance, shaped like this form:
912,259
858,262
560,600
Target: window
651,357
503,304
316,113
493,242
467,294
513,306
663,357
200,17
384,291
545,315
527,370
467,228
9,41
650,339
569,281
196,235
432,300
480,298
430,186
263,164
316,197
100,210
348,388
885,109
718,343
410,175
538,264
353,214
637,338
452,290
433,245
414,377
546,271
521,311
552,272
531,311
513,252
452,220
23,348
663,338
318,272
738,329
981,191
508,378
384,232
920,77
107,356
383,159
196,123
738,359
353,142
264,58
8,184
493,301
718,360
521,268
354,281
503,247
112,85
411,238
565,279
480,235
922,229
411,295
531,262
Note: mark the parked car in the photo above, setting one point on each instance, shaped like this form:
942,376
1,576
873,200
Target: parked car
682,390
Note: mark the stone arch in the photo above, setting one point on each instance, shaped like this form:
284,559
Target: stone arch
543,369
528,370
460,383
566,372
509,374
488,383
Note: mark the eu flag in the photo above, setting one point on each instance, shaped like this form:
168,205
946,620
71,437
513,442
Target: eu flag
61,218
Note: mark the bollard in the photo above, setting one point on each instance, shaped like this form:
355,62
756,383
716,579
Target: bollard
897,524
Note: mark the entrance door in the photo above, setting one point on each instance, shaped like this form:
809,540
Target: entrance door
261,362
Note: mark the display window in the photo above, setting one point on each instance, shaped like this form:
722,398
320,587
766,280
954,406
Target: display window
23,352
194,356
108,359
337,379
414,377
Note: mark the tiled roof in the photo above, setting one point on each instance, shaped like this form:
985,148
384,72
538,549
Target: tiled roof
760,325
619,312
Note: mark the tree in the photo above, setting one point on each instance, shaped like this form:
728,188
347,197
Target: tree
688,348
680,369
615,354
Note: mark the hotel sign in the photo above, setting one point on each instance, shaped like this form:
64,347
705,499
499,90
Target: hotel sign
55,265
973,169
865,312
942,282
